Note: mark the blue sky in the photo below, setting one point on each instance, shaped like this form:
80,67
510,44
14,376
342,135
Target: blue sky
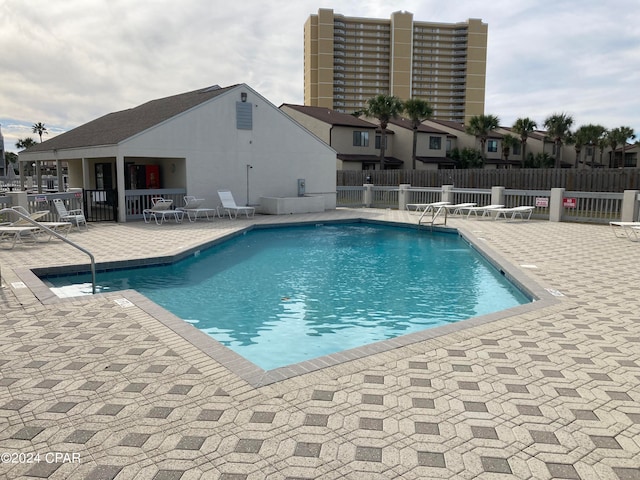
66,63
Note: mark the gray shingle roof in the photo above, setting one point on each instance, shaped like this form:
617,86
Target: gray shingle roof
461,127
113,128
406,123
331,117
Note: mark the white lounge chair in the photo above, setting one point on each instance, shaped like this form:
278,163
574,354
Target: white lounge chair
424,207
486,210
16,234
229,205
192,206
62,228
458,208
75,216
161,208
520,211
627,228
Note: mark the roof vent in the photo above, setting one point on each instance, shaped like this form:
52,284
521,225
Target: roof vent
211,89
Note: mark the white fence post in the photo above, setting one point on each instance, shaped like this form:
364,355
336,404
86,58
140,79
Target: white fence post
447,193
556,207
403,196
629,211
497,195
368,195
18,199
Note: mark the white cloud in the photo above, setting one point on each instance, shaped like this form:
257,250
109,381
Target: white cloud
74,61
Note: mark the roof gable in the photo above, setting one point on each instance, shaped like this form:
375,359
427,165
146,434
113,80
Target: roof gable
113,128
331,117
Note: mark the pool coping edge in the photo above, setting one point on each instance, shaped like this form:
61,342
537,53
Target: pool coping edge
254,375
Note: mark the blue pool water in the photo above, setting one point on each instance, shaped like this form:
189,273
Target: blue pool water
279,296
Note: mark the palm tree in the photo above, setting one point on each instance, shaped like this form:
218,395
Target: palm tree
626,133
508,141
39,128
590,135
602,143
25,143
613,138
558,127
579,138
481,127
523,127
618,136
418,111
384,108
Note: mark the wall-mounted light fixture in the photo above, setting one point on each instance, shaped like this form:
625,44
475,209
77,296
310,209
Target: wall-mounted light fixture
243,97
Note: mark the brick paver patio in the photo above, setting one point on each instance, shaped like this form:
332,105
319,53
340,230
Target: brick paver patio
103,388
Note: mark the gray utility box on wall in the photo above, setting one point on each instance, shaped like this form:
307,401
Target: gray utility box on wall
301,187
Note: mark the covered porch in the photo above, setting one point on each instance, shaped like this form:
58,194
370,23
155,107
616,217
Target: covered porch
113,187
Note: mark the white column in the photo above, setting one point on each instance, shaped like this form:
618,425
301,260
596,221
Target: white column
630,206
497,195
38,176
403,196
18,199
86,178
447,193
368,195
556,207
122,206
59,172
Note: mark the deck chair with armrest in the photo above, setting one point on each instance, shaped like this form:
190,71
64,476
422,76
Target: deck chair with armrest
160,210
193,208
229,205
75,216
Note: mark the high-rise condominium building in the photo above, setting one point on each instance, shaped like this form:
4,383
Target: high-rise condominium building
348,60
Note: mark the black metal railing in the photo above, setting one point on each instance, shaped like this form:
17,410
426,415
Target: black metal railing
100,205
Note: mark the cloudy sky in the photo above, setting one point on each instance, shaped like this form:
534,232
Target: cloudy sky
65,63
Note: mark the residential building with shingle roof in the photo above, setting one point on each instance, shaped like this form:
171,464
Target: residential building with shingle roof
191,143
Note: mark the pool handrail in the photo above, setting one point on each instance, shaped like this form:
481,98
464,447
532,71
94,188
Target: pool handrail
436,209
61,237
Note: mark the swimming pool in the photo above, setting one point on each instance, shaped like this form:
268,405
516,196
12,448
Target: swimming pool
279,296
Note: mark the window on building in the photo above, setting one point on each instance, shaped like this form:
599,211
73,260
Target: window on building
448,145
360,139
630,159
378,141
492,145
435,143
516,149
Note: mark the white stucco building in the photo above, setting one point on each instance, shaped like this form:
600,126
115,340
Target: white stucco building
194,143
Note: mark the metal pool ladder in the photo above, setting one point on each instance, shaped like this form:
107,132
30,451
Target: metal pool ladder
64,239
436,209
